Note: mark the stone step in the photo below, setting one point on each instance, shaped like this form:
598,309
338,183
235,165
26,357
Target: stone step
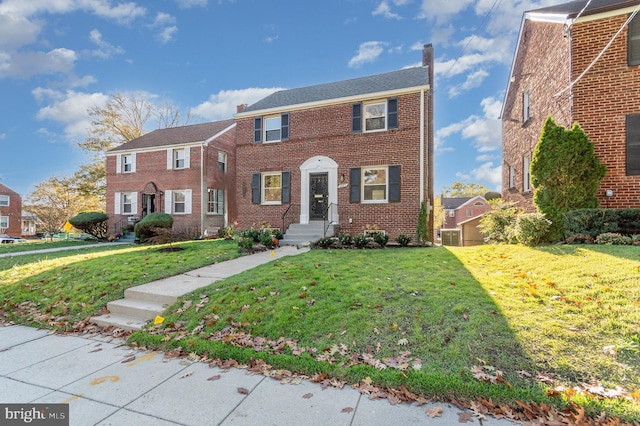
136,308
119,321
150,294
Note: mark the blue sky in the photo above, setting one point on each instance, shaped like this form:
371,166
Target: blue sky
60,57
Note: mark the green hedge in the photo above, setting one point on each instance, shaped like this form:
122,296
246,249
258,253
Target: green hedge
93,223
599,221
144,228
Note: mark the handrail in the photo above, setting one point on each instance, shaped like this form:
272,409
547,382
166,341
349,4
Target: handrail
324,220
285,214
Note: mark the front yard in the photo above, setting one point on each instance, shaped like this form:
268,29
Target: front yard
557,325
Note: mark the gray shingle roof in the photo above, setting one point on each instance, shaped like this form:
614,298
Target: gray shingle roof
176,135
571,9
454,202
395,80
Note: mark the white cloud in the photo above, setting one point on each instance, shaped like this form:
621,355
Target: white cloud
105,50
485,157
163,19
473,80
485,132
166,35
166,23
16,30
187,4
224,104
69,108
384,10
2,136
442,11
367,52
31,63
487,172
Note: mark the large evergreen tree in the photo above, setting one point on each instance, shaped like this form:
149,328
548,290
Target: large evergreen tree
565,173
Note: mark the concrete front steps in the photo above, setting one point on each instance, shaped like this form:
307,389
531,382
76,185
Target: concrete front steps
302,235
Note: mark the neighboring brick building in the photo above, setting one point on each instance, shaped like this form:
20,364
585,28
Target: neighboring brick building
188,172
10,212
353,153
460,209
552,75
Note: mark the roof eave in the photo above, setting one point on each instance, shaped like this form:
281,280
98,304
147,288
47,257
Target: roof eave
333,101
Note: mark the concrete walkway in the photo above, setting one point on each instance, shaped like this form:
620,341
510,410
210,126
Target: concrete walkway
107,383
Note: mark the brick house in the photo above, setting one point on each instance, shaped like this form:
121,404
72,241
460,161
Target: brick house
188,172
461,209
341,156
564,67
10,212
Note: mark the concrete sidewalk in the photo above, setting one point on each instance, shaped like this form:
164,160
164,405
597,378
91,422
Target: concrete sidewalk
107,383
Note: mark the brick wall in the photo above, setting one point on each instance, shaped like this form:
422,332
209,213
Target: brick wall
326,131
607,93
151,167
13,211
542,69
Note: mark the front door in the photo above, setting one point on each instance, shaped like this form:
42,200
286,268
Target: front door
318,195
148,204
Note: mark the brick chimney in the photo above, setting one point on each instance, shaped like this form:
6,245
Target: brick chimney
427,60
241,107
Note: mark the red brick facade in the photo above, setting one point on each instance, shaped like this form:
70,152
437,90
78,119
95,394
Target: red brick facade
153,179
11,213
323,135
476,206
599,102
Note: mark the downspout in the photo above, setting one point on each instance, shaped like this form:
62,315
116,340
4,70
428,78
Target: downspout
202,201
422,150
570,100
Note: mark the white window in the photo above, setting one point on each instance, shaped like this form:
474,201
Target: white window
4,201
127,163
4,222
374,185
469,213
222,161
178,158
452,213
178,201
375,115
512,176
216,201
126,203
272,188
526,176
272,129
525,107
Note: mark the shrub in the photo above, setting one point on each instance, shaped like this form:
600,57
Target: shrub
360,241
613,239
268,241
422,229
345,239
599,221
381,239
325,242
93,223
145,228
497,225
580,239
226,233
403,240
532,229
167,236
245,243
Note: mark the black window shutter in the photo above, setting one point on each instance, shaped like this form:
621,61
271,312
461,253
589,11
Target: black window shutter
633,144
284,126
257,130
286,187
356,118
633,48
255,188
392,113
394,184
354,185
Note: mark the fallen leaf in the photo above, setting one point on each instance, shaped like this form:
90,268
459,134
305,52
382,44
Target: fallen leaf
243,391
128,359
435,412
403,342
188,374
465,316
213,378
464,417
158,320
307,395
95,350
347,410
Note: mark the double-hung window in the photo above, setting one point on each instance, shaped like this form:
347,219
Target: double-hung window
274,128
127,163
216,201
371,185
633,144
512,176
4,201
177,201
526,108
633,44
374,116
126,203
4,222
526,173
222,161
271,188
178,158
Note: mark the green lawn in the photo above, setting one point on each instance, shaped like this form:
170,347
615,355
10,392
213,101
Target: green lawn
40,245
431,320
58,289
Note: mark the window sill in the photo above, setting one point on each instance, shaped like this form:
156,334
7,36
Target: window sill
215,214
375,202
272,203
375,131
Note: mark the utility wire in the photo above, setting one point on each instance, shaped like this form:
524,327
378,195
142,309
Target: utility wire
635,12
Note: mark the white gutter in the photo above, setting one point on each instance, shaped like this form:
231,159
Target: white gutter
422,133
202,201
